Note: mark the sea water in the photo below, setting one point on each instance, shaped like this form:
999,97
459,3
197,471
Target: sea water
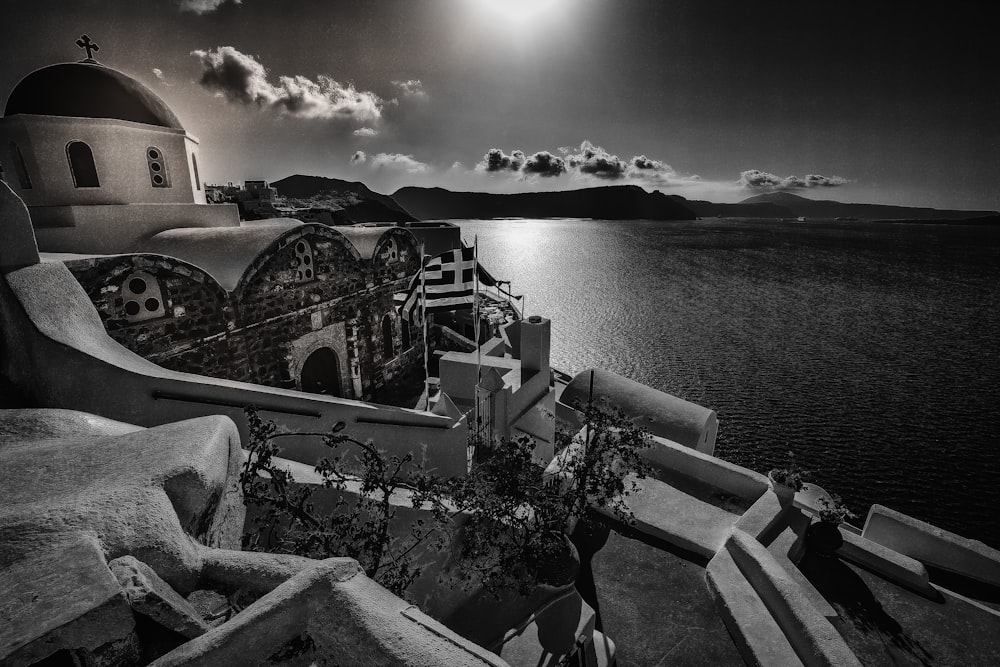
870,350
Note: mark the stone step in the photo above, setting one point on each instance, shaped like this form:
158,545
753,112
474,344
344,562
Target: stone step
756,634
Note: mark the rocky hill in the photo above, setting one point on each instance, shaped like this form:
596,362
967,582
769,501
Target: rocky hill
348,199
621,202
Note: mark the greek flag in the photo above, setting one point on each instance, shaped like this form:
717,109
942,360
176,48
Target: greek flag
448,281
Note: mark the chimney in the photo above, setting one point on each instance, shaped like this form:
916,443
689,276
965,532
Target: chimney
535,333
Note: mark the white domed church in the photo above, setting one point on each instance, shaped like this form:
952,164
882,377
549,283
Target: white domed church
100,160
110,178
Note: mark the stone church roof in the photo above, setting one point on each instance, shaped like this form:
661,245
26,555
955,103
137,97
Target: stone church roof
224,252
365,239
88,90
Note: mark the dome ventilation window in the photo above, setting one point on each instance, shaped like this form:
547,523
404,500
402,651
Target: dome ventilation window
142,298
305,272
159,177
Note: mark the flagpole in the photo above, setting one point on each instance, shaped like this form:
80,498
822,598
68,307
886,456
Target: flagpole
423,316
475,271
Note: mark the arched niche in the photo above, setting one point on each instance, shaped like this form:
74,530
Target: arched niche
301,351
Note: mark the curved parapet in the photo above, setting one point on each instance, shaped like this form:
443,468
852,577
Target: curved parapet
349,617
659,413
28,424
54,351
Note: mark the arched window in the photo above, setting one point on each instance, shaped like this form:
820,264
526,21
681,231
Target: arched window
405,326
388,350
142,298
20,167
194,168
81,165
305,271
159,177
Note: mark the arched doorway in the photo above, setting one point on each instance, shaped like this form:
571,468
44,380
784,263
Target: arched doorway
321,373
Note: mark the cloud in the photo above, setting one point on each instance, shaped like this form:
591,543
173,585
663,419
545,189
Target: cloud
365,132
203,6
824,181
595,161
762,180
411,88
390,162
158,73
496,160
241,78
587,161
544,163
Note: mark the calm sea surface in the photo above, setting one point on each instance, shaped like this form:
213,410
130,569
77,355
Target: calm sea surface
872,351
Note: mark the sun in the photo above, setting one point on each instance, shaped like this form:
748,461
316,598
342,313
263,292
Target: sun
519,12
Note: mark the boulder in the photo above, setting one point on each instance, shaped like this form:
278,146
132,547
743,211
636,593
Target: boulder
63,597
154,598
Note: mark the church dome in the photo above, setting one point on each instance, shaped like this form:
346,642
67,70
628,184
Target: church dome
88,90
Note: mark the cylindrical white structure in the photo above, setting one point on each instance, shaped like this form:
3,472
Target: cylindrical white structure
661,414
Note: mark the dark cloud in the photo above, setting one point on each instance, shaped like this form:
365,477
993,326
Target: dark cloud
496,160
595,161
359,157
643,163
587,160
825,181
762,180
544,163
241,78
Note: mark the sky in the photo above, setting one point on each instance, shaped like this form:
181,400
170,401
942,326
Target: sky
882,102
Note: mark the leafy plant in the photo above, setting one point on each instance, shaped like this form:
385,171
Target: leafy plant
834,510
365,480
519,511
506,521
790,475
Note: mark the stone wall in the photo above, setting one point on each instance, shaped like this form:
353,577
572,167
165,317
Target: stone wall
264,330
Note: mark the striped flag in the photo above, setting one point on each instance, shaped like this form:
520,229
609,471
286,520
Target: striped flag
448,282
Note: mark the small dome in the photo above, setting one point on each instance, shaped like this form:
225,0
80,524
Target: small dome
88,90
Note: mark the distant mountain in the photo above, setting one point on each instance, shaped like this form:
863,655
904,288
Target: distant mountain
619,202
351,199
827,208
709,209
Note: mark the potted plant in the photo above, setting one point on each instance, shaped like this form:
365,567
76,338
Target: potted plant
824,536
789,476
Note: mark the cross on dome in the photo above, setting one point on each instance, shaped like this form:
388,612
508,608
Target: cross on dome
85,43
